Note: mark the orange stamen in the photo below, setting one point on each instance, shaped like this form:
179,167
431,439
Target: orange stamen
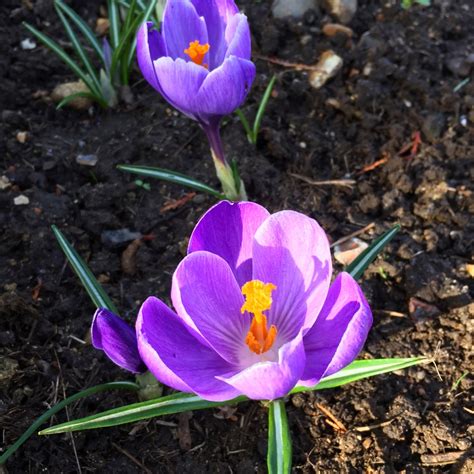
258,298
197,51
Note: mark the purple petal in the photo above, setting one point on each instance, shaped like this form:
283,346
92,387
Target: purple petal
225,88
292,252
227,8
227,229
215,30
207,297
150,47
117,339
271,380
339,332
181,26
176,358
180,82
237,35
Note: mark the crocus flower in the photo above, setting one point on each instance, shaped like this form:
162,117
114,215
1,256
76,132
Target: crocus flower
255,311
200,63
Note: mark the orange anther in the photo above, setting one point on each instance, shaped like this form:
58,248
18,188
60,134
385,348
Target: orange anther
197,51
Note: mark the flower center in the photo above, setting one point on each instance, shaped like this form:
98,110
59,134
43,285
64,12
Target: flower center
258,298
197,51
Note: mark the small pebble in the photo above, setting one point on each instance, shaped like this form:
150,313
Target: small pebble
327,67
294,8
21,200
86,160
27,44
4,183
116,238
22,137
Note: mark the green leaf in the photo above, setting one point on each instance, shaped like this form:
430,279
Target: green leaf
83,28
114,21
59,406
53,46
180,402
246,125
279,439
77,95
96,293
358,266
168,405
361,369
261,109
172,177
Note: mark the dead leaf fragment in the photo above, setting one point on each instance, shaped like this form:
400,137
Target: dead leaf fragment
129,264
470,269
327,67
177,203
346,252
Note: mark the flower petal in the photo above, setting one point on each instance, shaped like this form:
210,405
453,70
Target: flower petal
182,25
225,88
227,230
339,332
291,251
237,35
150,47
117,339
215,30
271,380
176,358
226,8
180,82
207,297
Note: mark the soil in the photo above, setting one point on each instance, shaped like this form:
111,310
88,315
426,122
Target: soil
401,79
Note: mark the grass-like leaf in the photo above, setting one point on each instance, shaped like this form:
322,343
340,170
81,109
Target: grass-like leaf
170,404
59,406
96,293
180,402
358,266
261,109
114,19
79,49
252,132
362,369
172,177
83,27
51,44
77,95
279,439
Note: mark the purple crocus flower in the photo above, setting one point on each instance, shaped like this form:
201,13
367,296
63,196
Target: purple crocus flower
255,311
200,63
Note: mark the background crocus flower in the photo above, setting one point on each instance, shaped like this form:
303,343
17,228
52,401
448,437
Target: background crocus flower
200,63
256,313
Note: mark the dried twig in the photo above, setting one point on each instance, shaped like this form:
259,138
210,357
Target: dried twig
333,421
348,183
132,458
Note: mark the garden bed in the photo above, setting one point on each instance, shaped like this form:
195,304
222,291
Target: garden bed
397,119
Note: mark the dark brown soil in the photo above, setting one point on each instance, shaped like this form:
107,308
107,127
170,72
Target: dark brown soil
399,77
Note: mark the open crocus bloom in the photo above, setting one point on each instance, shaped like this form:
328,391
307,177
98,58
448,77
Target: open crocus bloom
255,311
200,63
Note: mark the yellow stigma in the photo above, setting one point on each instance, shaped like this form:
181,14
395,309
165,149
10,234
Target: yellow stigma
197,51
258,298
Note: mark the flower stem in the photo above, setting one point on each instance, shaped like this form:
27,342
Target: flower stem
232,185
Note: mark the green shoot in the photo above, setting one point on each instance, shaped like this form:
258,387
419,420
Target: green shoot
112,61
252,132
